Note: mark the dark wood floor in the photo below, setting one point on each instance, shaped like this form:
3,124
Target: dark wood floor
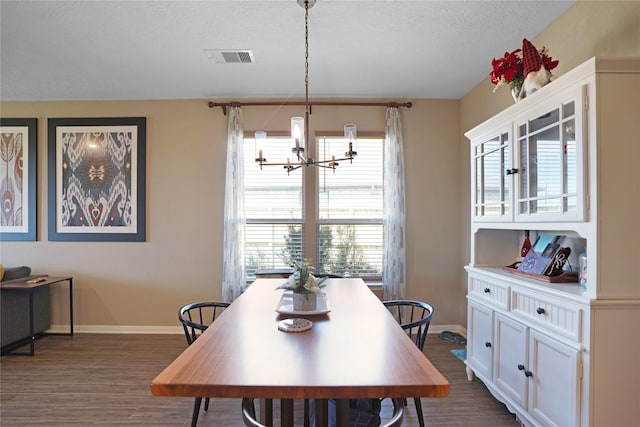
104,380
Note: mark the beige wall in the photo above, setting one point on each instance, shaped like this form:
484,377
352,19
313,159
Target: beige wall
143,284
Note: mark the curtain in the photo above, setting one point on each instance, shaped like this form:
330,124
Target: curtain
394,270
234,220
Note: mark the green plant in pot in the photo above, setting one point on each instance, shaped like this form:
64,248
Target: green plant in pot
304,285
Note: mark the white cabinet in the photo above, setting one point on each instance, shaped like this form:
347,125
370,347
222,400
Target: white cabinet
528,353
511,353
480,349
562,161
537,372
549,158
491,159
554,382
531,167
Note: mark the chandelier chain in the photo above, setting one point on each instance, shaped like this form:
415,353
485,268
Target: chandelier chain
306,53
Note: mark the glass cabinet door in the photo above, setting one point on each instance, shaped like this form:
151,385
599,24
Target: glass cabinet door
549,166
492,192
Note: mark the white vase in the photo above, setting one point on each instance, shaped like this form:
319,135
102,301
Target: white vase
515,93
304,302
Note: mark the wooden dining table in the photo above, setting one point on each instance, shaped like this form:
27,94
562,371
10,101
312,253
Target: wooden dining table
355,350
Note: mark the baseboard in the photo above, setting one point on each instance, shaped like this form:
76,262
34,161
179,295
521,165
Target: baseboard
115,329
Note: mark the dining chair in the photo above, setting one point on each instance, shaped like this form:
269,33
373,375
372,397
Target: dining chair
249,414
195,319
414,318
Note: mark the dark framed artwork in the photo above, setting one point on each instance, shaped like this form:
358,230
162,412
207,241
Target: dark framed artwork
18,175
97,179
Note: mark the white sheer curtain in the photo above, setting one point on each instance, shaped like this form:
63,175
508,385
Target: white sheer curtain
234,219
394,269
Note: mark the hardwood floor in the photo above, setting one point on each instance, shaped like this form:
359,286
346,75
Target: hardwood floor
104,380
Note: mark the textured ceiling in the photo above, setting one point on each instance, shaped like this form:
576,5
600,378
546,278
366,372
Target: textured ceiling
120,50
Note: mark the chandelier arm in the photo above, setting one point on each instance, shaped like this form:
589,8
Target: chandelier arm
305,162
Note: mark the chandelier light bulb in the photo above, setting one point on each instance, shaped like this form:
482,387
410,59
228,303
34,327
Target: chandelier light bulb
261,138
351,137
297,132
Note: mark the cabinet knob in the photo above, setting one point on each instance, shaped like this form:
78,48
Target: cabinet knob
528,374
521,367
512,171
487,344
487,290
540,310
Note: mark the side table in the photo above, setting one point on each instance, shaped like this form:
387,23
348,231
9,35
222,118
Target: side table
23,285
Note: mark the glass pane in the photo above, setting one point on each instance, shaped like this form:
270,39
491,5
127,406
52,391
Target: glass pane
553,205
271,246
545,158
522,130
568,110
355,190
493,177
479,180
570,164
490,177
523,169
571,203
506,164
544,121
269,193
350,249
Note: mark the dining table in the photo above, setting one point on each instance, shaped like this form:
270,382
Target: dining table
355,349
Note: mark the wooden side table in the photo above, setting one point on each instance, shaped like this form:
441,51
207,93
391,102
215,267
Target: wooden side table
29,285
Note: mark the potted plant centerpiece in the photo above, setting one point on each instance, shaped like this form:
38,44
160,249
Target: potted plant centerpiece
304,285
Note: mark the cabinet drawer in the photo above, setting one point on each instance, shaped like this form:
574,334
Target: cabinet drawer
494,292
560,317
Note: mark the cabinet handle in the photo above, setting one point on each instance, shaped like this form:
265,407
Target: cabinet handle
512,171
528,374
487,344
521,367
487,290
540,310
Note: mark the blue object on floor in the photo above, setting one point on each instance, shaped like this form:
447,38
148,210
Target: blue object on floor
460,353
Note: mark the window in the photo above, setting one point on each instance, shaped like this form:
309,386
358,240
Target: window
331,217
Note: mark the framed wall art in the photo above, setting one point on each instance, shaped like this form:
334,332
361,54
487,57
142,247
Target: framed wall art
18,175
97,179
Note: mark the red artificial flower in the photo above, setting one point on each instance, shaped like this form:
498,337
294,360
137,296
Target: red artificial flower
548,62
509,70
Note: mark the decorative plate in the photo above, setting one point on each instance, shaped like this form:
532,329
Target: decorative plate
295,325
285,306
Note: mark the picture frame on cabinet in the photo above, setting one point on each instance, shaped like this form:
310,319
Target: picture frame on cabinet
18,178
542,254
97,170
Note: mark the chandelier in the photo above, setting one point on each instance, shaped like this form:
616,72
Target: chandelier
300,132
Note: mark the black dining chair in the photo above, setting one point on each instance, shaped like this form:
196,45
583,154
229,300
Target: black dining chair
250,420
195,319
414,318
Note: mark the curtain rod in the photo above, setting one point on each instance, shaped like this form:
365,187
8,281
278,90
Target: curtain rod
225,105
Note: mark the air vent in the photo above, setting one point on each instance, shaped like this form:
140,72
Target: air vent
227,56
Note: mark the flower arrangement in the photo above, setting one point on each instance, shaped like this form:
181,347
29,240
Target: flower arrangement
509,70
302,281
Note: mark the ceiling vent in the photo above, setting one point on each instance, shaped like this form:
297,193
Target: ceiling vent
227,56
